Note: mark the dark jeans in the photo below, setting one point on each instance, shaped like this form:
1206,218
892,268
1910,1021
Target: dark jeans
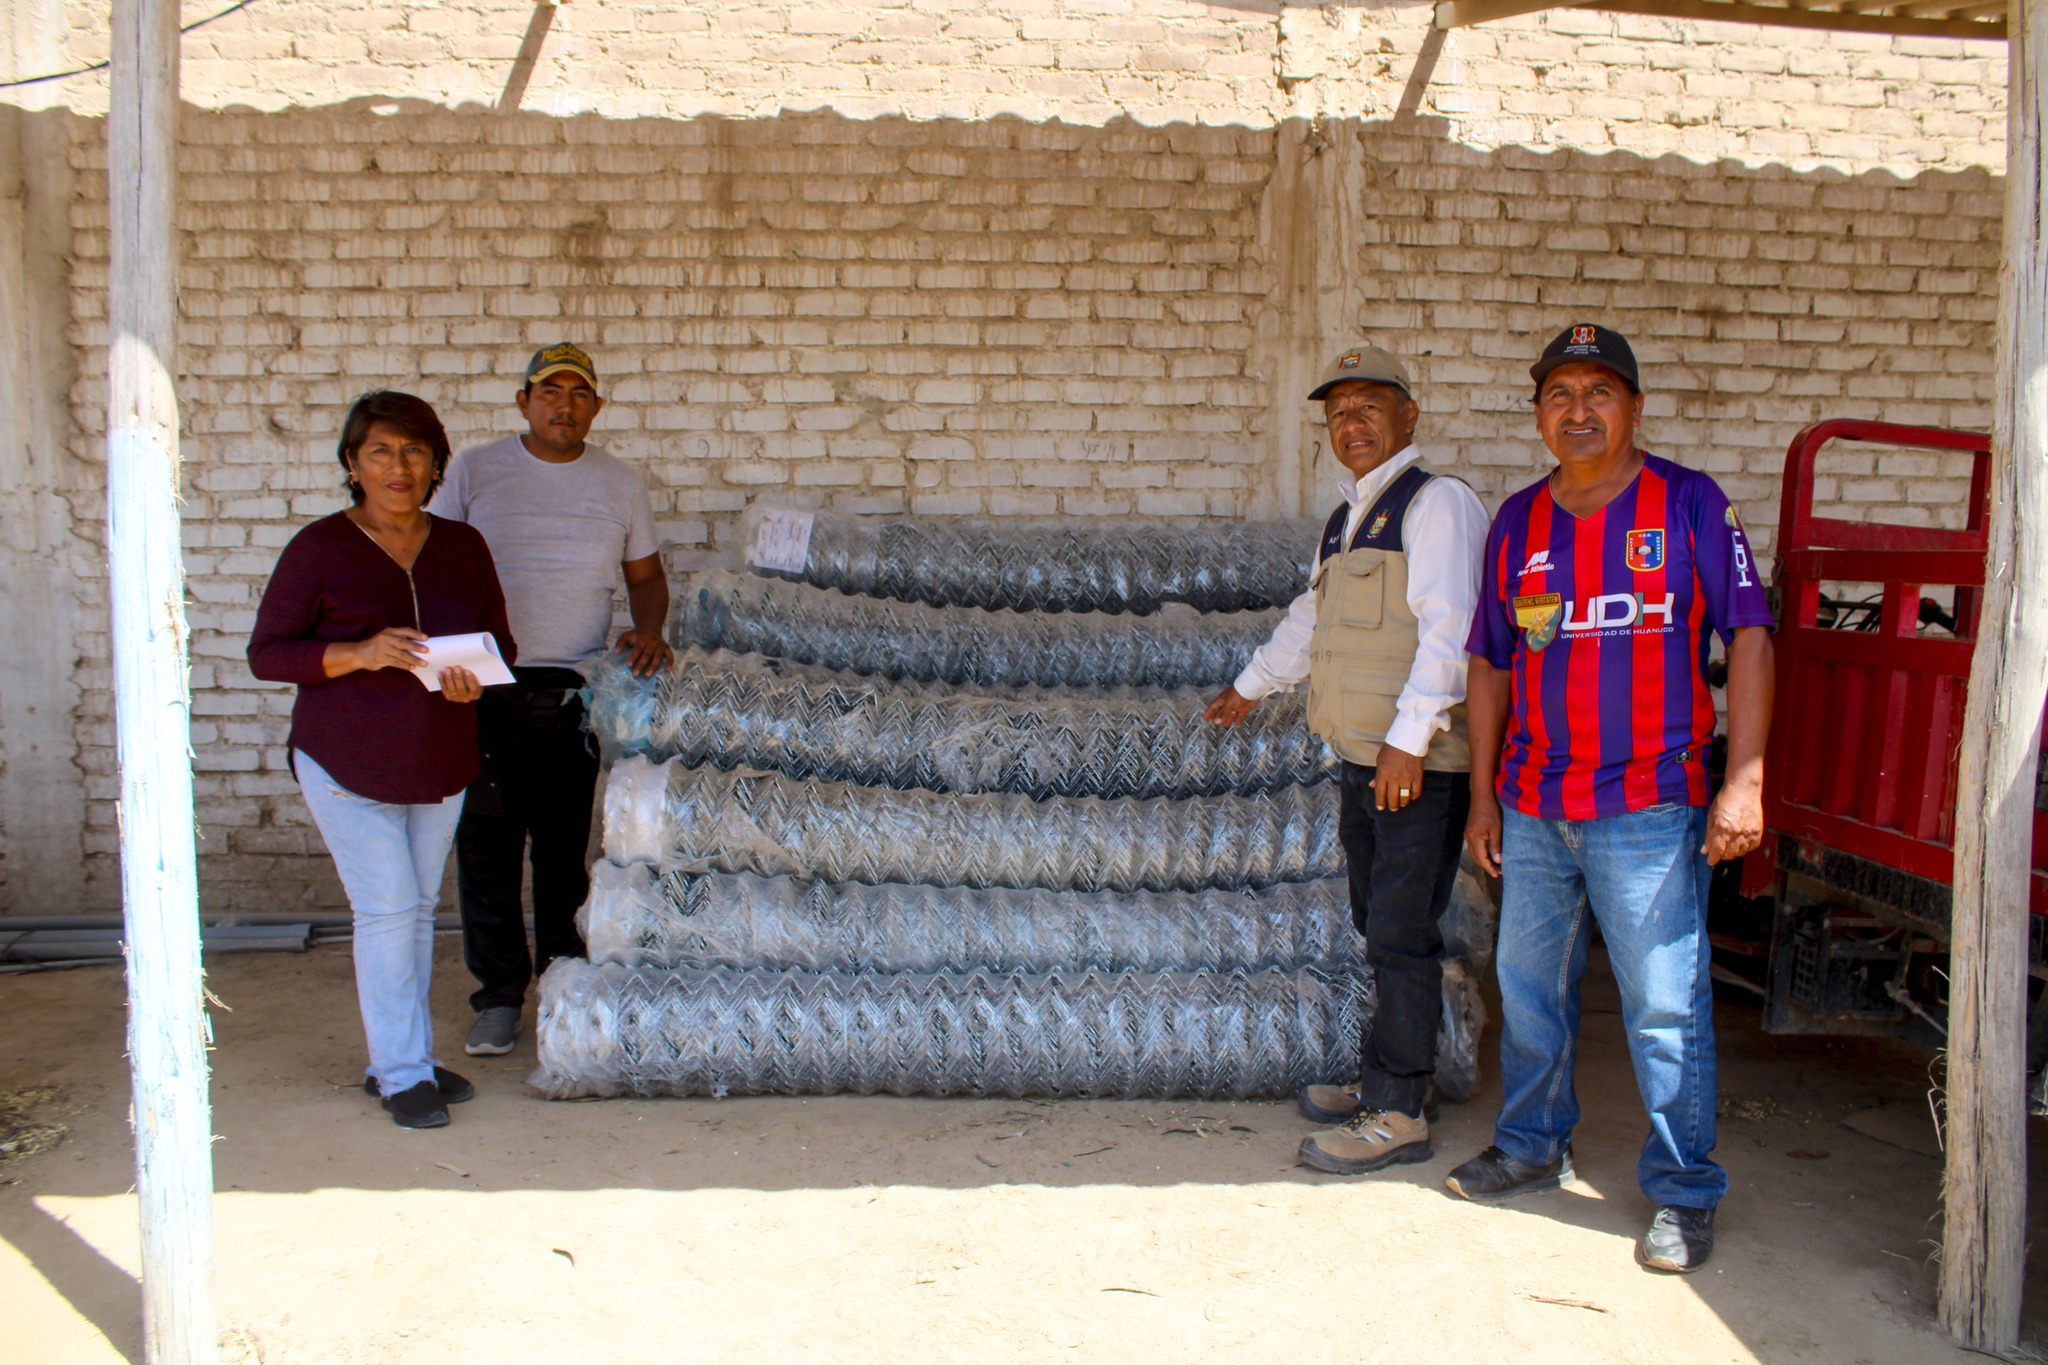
1402,865
538,781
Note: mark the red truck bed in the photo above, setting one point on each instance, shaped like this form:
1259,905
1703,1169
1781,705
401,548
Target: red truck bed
1862,754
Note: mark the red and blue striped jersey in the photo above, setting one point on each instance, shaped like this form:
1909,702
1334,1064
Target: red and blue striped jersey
1602,623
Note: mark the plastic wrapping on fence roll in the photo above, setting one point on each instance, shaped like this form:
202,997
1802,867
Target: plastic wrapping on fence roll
609,1030
743,711
1457,1039
1176,647
1057,566
1471,920
703,820
638,916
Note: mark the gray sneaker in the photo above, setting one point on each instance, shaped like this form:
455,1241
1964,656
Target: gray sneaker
492,1033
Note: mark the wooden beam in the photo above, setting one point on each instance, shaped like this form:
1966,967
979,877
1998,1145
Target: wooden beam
1776,16
1944,9
1465,13
1949,9
152,708
1983,1254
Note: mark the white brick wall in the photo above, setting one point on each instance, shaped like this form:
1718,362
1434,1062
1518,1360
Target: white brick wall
1013,257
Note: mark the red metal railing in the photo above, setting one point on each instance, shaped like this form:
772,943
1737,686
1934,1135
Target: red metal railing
1862,753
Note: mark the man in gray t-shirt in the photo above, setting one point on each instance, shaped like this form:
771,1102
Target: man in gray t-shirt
564,521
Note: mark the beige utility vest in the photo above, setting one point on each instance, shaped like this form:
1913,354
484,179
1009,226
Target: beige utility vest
1366,636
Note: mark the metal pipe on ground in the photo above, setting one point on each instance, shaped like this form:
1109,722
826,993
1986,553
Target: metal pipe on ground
70,944
19,923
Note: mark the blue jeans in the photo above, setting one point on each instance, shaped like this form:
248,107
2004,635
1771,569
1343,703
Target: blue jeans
390,859
1645,881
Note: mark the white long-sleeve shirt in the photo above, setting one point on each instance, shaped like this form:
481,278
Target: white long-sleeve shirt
1444,540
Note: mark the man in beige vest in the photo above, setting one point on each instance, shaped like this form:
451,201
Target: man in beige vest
1380,638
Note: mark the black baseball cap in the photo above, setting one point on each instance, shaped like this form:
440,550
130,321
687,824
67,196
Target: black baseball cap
563,355
1593,344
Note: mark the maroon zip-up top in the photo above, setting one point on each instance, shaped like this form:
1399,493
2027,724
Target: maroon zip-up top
379,733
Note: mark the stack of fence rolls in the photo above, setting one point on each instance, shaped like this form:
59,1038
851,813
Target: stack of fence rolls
930,808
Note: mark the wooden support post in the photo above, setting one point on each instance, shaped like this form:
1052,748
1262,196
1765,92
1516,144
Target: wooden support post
1983,1243
159,863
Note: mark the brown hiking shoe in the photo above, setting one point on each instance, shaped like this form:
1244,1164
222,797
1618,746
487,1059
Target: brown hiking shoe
1372,1139
1335,1104
1329,1103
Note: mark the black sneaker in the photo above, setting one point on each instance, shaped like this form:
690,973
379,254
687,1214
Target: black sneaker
419,1107
1494,1175
1678,1240
454,1089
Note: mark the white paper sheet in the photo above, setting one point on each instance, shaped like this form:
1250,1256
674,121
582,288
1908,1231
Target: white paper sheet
782,540
478,653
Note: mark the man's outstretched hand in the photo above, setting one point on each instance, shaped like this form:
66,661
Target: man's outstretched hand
1230,707
648,652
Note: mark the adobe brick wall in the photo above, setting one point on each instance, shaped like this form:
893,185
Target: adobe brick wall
1060,258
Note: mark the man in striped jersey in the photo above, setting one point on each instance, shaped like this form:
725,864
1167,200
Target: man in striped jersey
1590,719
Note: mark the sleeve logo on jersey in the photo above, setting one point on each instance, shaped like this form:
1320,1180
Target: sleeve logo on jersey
1539,562
1538,616
1645,550
1728,515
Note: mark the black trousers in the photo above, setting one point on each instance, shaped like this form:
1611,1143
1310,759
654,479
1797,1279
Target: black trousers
1402,866
538,781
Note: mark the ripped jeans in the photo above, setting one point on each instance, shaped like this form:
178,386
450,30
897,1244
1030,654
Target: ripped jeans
391,859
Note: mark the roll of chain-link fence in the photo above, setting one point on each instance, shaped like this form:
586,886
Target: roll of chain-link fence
1175,647
638,916
609,1030
703,820
1054,566
744,711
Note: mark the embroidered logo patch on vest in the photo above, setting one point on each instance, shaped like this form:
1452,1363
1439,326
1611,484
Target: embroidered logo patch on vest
1379,524
1538,615
1645,550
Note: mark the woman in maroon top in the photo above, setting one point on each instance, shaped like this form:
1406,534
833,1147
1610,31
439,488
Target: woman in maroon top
382,760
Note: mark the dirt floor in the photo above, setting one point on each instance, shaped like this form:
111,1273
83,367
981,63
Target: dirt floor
932,1230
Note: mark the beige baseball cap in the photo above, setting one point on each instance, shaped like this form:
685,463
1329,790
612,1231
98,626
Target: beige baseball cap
1366,364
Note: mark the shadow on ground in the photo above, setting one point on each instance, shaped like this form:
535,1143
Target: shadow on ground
1811,1196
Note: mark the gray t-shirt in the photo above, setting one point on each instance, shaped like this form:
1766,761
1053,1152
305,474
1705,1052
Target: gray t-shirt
558,533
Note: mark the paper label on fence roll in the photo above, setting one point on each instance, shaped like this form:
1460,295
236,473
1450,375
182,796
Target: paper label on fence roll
478,653
782,541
